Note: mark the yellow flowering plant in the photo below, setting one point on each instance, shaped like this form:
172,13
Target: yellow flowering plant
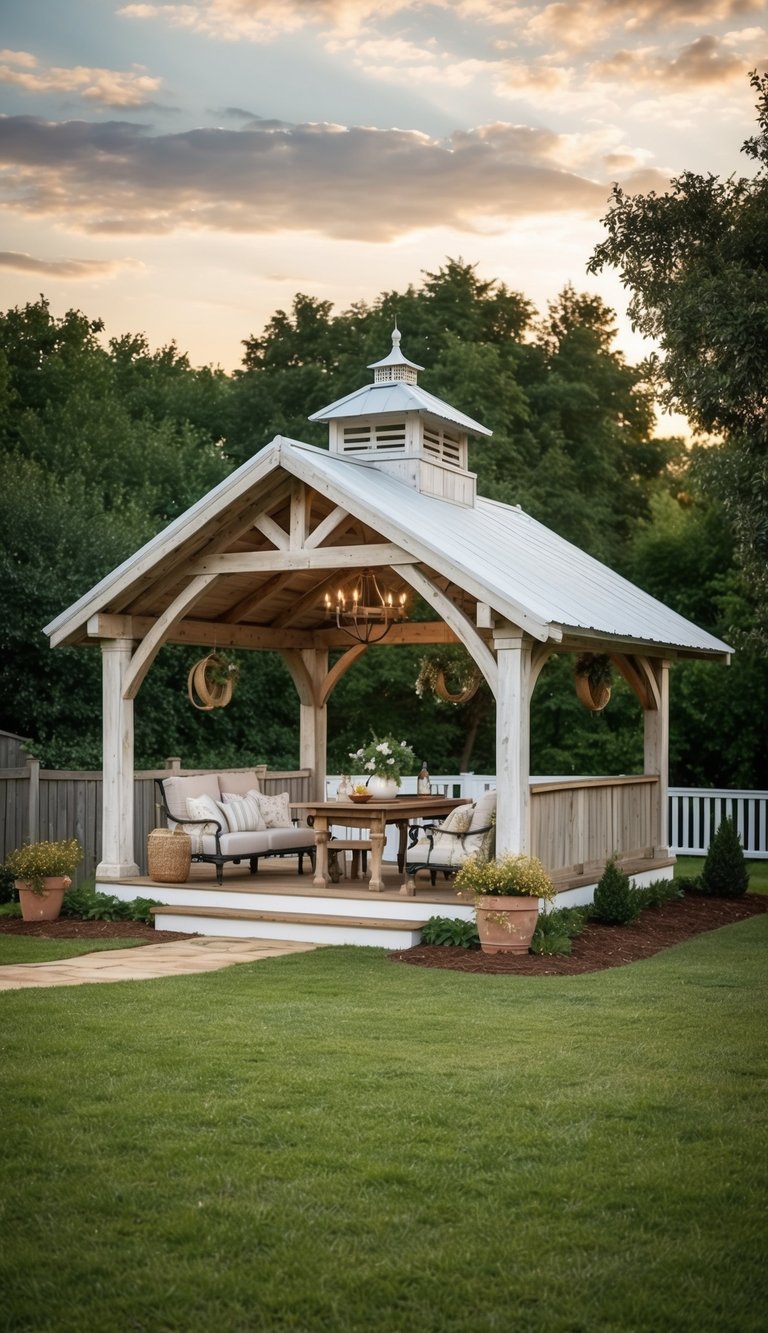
514,874
36,861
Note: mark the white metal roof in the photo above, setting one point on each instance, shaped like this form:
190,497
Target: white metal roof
498,552
396,396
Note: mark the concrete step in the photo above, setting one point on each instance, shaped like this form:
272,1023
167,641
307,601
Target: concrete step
305,927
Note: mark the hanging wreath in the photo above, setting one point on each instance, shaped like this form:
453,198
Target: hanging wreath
464,676
211,681
593,677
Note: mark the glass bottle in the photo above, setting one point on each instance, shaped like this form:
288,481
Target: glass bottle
422,781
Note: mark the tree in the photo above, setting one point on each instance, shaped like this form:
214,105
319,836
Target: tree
696,263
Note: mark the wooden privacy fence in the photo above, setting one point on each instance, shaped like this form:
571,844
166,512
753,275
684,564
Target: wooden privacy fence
592,815
38,805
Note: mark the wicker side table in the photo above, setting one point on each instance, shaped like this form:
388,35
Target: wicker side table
169,855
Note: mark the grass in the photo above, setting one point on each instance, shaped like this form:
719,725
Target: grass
331,1141
758,871
28,949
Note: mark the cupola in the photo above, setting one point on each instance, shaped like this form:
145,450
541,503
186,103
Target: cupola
394,425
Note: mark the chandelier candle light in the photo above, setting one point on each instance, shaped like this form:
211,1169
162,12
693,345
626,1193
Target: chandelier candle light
366,611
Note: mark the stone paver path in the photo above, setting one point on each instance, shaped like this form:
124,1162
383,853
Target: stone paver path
204,953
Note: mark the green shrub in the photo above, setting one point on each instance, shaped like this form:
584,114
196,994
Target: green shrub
7,886
725,873
658,892
555,930
88,905
616,903
689,883
450,930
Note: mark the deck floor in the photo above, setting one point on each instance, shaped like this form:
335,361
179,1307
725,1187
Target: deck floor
278,875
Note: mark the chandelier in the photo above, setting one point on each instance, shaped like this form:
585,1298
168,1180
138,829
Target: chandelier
364,610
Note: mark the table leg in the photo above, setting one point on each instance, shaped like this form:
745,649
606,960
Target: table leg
402,829
321,858
375,883
408,889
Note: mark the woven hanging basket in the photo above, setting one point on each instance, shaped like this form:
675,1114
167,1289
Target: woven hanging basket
461,696
593,697
169,855
205,693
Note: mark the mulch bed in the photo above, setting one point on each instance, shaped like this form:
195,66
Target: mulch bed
69,928
598,946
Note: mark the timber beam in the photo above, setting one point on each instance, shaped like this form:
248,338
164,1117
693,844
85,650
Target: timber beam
210,634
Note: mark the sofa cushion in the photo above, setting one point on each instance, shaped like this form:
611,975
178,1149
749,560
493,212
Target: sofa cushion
237,844
207,810
285,838
239,784
178,789
242,814
275,810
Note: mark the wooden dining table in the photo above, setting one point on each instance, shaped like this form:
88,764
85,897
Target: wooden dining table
374,816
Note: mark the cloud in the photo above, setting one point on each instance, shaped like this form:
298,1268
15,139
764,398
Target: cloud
348,183
65,268
706,61
264,20
108,87
581,25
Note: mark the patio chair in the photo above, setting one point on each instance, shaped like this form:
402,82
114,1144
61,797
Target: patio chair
467,831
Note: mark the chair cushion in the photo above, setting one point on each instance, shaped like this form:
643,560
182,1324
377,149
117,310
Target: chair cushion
484,808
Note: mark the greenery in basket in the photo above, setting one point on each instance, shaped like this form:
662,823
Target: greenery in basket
220,669
597,669
36,861
385,757
512,874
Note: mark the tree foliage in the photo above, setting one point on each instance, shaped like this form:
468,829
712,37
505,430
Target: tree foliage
103,442
695,261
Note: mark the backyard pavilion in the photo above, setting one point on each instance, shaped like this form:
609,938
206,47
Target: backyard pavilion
252,564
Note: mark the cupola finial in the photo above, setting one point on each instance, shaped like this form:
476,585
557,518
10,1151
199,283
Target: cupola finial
396,366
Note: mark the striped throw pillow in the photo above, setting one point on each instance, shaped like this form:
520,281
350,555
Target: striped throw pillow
242,813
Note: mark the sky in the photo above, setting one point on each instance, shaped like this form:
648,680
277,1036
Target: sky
184,169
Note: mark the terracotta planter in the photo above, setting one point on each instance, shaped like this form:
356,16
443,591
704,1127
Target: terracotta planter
43,906
383,789
506,924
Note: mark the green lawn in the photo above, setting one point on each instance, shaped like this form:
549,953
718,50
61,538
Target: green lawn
331,1141
27,949
758,871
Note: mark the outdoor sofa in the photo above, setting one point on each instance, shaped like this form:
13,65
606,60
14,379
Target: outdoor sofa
229,818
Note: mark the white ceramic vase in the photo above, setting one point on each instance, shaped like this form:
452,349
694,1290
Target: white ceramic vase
383,789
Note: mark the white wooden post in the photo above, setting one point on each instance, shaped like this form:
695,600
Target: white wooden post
117,819
313,724
513,655
656,736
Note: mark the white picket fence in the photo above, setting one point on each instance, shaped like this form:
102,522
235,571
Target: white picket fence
694,813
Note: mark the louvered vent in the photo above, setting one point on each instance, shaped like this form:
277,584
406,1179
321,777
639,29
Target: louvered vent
442,446
366,437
